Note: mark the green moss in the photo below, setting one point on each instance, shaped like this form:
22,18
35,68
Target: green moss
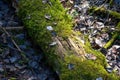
109,43
36,28
83,70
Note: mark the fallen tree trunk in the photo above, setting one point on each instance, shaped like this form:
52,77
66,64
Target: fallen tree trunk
70,66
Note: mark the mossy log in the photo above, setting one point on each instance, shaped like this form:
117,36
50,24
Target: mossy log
32,12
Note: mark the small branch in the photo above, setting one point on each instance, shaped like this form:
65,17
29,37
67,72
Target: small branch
14,28
11,39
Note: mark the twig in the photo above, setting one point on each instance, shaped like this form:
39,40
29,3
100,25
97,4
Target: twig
11,39
14,28
15,44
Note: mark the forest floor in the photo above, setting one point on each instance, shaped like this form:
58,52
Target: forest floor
19,59
98,27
